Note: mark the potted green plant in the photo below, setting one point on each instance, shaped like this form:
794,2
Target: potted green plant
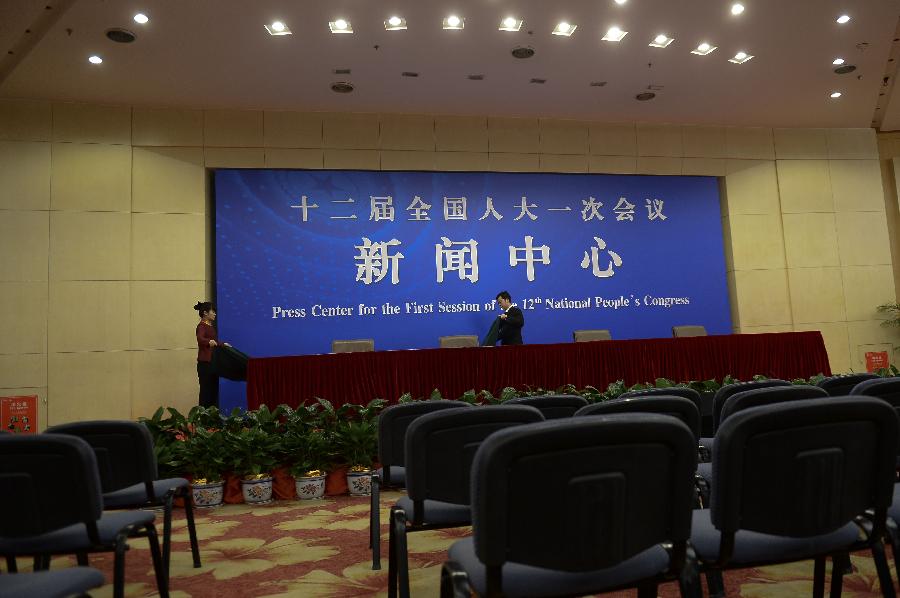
202,455
309,456
253,453
356,443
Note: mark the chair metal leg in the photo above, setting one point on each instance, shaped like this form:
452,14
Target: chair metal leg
392,554
839,564
819,577
167,528
162,573
648,589
119,566
375,522
11,566
454,581
689,577
192,529
402,555
884,572
715,584
82,559
894,536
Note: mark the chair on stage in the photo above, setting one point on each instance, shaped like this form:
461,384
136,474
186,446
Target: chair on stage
686,331
52,485
439,451
578,506
392,425
458,341
841,385
74,581
361,345
552,406
586,336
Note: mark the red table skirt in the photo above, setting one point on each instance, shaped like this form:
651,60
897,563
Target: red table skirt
360,377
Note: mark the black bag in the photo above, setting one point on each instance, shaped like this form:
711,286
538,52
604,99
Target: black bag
228,362
493,334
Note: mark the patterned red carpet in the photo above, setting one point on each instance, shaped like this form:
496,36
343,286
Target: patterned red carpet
318,548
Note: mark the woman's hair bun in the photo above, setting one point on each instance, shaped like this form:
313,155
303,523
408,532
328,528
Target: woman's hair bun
199,306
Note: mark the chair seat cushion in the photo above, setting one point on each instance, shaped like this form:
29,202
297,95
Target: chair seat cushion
398,476
704,470
755,548
437,512
51,584
894,510
525,580
73,538
136,495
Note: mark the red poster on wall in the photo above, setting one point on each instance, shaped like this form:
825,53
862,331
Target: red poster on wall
19,414
875,360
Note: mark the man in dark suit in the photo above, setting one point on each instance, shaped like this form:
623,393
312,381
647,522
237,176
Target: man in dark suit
511,321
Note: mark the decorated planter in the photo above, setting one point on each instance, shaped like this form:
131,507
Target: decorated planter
311,486
257,489
207,494
359,481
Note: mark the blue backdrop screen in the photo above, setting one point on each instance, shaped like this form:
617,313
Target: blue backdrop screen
305,257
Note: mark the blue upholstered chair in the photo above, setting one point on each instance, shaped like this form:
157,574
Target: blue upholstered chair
674,391
676,406
552,406
63,583
842,384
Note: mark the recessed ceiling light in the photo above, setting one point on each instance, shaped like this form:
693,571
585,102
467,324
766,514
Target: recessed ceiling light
510,24
621,1
340,26
454,22
614,34
703,49
837,61
737,8
95,59
843,19
278,28
141,18
395,23
661,41
564,28
740,58
835,95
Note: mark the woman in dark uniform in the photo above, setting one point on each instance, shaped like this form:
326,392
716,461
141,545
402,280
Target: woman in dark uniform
207,338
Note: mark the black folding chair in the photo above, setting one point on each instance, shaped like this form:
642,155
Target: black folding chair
842,384
677,406
51,584
674,391
552,406
580,506
723,395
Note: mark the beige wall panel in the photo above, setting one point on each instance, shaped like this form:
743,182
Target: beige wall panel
407,132
869,336
756,242
749,143
24,245
167,127
810,240
86,386
816,295
233,128
90,246
653,165
732,300
42,401
515,162
351,131
659,140
293,129
162,314
613,164
89,316
703,142
24,120
92,123
727,243
23,317
407,160
462,161
863,239
353,159
461,133
766,329
91,177
563,163
294,158
800,144
856,185
805,186
163,379
837,343
24,175
168,247
703,166
564,137
234,157
613,139
865,288
170,179
762,297
514,135
751,187
23,371
852,144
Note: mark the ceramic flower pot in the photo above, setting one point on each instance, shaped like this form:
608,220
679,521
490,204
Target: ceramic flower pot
311,487
207,494
359,482
257,490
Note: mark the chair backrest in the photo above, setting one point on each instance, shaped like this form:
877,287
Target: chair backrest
726,391
124,451
685,331
887,389
620,484
841,385
758,397
47,482
393,423
458,341
552,406
803,468
674,391
586,336
440,447
675,406
360,345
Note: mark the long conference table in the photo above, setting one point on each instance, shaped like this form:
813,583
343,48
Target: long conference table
360,377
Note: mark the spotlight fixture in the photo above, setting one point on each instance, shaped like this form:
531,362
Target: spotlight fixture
843,19
340,26
95,59
614,34
141,18
661,41
621,2
454,22
510,24
737,8
395,23
835,95
703,49
564,28
278,28
741,58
